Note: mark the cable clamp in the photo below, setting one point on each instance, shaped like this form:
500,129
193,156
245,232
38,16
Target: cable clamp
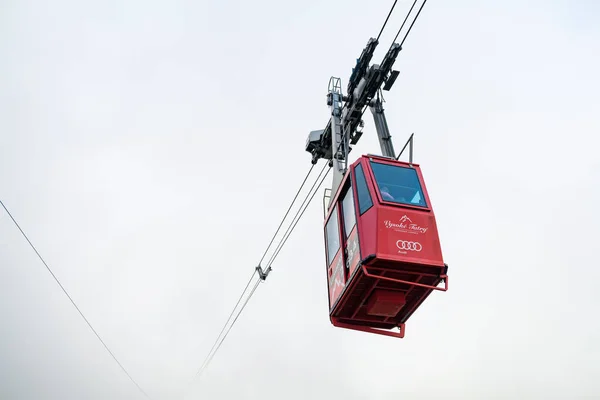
263,274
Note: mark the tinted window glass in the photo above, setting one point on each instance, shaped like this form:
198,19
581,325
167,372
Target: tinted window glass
398,184
364,197
333,236
348,211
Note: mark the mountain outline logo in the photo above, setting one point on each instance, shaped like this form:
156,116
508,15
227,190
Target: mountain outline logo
405,218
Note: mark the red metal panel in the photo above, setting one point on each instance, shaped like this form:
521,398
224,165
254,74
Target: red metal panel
336,278
408,235
367,222
385,303
367,227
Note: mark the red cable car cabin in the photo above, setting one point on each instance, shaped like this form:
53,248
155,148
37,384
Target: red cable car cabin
382,247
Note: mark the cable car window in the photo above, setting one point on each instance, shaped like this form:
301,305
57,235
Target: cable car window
364,197
348,211
333,236
398,184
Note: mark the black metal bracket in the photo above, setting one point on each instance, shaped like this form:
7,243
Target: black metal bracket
263,274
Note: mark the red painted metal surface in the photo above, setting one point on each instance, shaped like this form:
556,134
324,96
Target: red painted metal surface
407,235
390,262
337,280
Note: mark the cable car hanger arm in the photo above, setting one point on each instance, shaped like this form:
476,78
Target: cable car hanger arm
364,85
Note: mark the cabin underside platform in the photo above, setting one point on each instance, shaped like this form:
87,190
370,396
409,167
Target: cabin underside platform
382,295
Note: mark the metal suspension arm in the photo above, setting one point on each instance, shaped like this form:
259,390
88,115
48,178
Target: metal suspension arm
385,139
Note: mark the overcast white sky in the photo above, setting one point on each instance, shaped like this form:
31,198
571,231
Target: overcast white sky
149,150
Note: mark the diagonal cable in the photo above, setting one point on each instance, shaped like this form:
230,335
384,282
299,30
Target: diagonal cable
298,219
208,357
404,22
286,214
73,302
413,22
217,344
300,211
386,20
230,327
284,239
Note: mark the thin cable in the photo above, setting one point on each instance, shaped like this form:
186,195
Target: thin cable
233,323
73,302
206,360
286,214
210,356
386,20
404,22
301,214
218,343
411,25
286,236
297,212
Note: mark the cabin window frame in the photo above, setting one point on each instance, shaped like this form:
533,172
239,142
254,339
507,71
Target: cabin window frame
335,232
348,210
364,200
377,185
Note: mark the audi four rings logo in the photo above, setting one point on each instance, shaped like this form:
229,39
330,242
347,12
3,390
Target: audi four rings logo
410,246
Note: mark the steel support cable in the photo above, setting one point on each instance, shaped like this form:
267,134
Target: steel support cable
291,227
386,20
286,214
211,353
73,302
282,241
217,344
413,22
285,238
231,326
404,22
301,214
208,357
